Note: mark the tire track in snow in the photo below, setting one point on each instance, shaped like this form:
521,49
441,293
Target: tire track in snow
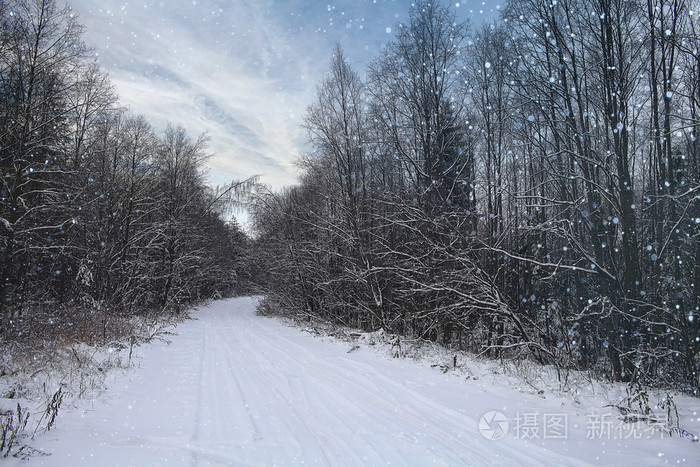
278,389
350,397
343,386
224,414
394,408
263,398
238,389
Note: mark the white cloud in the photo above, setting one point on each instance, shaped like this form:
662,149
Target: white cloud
244,70
232,72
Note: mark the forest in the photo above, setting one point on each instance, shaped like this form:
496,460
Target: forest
527,188
523,189
102,218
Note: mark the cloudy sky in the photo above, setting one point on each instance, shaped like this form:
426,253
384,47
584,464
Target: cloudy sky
243,70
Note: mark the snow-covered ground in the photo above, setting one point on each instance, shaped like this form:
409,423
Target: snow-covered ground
234,388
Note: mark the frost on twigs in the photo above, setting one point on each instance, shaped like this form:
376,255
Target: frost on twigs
12,425
14,436
51,411
637,408
63,357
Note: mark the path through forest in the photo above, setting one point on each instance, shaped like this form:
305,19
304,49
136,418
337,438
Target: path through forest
235,388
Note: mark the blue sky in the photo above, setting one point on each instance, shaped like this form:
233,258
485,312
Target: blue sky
243,70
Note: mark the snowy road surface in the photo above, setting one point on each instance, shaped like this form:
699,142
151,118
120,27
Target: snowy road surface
233,388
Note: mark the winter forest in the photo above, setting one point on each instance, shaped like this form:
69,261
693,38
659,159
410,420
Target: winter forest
101,217
523,189
526,189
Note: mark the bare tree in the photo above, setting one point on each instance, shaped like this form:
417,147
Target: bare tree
534,190
41,45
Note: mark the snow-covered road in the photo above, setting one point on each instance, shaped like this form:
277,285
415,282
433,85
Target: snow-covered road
234,388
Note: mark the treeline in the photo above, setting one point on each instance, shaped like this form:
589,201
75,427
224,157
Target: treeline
527,188
98,212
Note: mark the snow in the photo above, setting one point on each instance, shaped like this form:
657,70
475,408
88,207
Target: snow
235,388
